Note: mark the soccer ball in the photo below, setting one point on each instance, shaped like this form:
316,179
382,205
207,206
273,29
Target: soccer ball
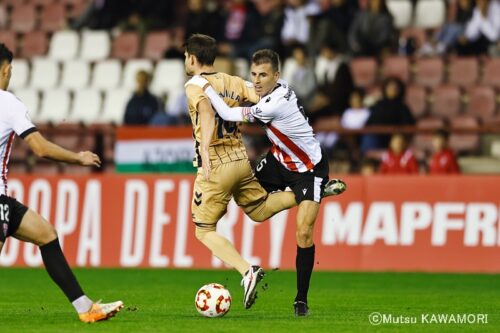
213,300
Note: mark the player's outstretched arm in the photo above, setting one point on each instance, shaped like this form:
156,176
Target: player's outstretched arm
225,112
46,149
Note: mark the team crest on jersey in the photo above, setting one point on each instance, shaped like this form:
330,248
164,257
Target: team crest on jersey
5,228
257,110
268,99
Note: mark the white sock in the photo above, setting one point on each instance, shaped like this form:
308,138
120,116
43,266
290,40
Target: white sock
82,304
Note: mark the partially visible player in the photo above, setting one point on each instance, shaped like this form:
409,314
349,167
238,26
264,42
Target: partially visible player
23,223
295,159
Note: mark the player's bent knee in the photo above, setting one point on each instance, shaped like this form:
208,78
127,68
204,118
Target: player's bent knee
304,237
202,229
47,234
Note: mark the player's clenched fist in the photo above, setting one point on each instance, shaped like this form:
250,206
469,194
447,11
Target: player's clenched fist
88,158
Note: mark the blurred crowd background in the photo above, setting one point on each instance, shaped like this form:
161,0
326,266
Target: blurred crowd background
390,86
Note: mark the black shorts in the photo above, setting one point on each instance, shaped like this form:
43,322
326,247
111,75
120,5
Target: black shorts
273,176
11,215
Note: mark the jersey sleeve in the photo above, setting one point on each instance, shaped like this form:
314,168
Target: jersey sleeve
19,118
194,95
266,110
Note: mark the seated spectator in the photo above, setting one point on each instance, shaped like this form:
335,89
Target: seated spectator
356,115
443,160
390,110
335,85
143,105
398,159
102,14
372,31
200,19
146,15
301,77
296,24
482,30
369,167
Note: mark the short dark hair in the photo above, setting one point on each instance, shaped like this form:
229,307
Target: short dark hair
203,47
267,56
5,54
442,133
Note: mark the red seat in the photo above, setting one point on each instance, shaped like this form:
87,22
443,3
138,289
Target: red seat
397,67
157,42
464,142
23,18
423,141
416,99
429,72
491,71
9,39
53,17
463,71
482,102
126,46
364,71
34,43
446,101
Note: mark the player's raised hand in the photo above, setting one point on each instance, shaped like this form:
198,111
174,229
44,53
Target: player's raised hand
88,158
198,81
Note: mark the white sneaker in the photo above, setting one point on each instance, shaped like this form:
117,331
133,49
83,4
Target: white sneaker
334,187
249,282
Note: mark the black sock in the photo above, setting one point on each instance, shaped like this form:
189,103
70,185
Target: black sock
304,263
58,269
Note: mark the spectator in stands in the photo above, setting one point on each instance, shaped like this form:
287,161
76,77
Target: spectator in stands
446,38
202,19
302,78
357,114
335,84
332,25
369,167
372,31
143,105
296,23
146,15
390,110
482,30
443,160
398,159
102,14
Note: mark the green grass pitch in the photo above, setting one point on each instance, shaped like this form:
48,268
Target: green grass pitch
163,301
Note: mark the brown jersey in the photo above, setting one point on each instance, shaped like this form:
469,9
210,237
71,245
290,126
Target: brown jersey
226,144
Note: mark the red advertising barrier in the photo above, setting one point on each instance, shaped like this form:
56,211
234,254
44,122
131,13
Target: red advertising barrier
400,223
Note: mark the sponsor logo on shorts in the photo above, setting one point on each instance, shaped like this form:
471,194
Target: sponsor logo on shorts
304,191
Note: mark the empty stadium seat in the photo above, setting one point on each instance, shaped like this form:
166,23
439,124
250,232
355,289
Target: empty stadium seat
423,141
53,17
155,45
107,74
23,18
133,66
464,142
169,76
364,71
31,98
416,99
20,74
241,68
481,102
446,101
430,13
126,46
75,74
35,43
396,66
429,72
401,11
44,73
463,71
55,106
64,45
491,74
10,40
115,102
95,45
86,106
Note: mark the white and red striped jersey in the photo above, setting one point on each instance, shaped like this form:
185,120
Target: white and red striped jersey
14,119
294,144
